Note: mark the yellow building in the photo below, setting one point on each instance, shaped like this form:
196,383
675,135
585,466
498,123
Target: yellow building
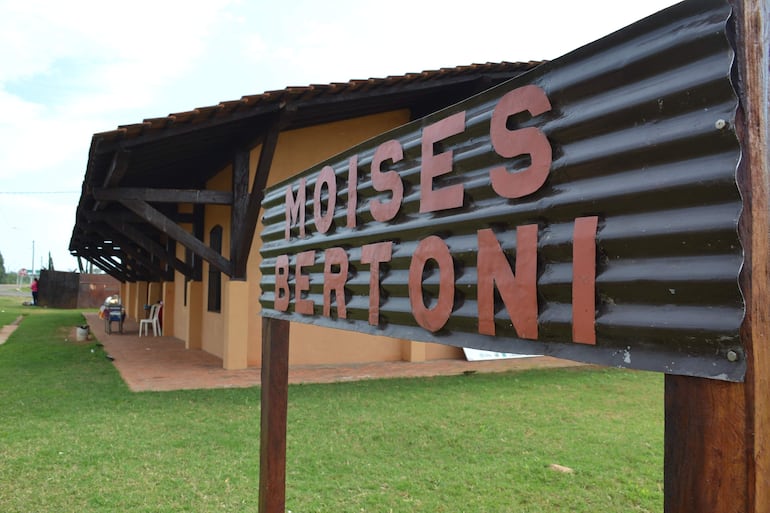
171,206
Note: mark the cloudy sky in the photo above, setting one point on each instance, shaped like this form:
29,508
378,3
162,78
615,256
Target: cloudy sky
69,69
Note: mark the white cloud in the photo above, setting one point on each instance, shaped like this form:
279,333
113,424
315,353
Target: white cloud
71,68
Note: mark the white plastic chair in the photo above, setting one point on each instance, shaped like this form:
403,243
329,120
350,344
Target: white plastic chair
153,321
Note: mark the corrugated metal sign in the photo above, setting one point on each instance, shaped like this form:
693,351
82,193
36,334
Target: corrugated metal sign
586,210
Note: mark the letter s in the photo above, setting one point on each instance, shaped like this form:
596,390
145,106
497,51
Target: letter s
523,141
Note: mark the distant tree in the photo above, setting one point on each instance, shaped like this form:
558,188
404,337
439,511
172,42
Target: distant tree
50,262
2,269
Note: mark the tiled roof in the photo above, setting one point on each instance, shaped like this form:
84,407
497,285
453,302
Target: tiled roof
291,94
185,149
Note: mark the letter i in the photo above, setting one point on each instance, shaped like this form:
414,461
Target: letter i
584,280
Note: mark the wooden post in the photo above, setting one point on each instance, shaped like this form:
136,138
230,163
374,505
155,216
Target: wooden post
717,434
706,446
275,388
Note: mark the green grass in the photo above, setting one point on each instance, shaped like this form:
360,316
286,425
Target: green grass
73,438
11,308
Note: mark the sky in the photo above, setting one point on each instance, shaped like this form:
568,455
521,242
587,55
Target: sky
69,69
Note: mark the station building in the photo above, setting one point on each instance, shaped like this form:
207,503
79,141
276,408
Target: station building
171,206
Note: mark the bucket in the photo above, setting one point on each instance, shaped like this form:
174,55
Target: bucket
81,333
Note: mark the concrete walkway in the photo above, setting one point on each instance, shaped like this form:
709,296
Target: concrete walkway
163,363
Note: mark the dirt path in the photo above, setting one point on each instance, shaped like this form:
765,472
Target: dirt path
6,331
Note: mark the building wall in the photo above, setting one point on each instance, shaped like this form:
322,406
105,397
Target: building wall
181,311
95,288
181,308
212,328
167,312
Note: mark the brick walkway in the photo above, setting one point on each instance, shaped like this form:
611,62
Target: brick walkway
163,363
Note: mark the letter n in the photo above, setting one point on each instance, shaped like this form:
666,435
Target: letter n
519,291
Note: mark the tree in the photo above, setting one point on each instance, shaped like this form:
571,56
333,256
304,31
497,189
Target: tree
2,269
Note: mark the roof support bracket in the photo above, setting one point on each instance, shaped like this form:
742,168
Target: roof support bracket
120,227
246,205
157,219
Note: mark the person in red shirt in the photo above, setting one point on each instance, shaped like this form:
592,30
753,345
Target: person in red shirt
33,288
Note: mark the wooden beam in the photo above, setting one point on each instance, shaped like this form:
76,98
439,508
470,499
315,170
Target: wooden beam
118,168
241,245
150,267
122,215
274,405
717,435
752,19
705,446
154,261
139,238
116,172
118,275
198,227
126,245
198,221
165,225
252,115
108,266
164,195
238,212
125,265
152,246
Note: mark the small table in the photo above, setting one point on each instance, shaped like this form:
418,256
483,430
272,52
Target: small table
114,314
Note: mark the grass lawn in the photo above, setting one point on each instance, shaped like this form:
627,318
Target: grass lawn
11,308
73,438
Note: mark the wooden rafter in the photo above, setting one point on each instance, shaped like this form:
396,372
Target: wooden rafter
160,221
152,247
164,195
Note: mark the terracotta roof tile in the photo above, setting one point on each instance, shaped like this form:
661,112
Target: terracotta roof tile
226,108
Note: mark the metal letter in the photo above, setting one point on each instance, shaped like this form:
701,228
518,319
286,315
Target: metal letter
432,248
434,165
335,281
523,141
374,255
324,221
519,291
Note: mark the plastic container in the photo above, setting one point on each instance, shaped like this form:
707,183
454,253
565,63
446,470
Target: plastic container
81,333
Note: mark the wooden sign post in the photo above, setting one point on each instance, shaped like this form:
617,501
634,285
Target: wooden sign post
610,206
717,434
275,399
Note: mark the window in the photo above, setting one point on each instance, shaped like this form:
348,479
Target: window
215,276
188,259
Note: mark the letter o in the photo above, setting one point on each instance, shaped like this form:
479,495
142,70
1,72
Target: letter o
324,221
432,248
